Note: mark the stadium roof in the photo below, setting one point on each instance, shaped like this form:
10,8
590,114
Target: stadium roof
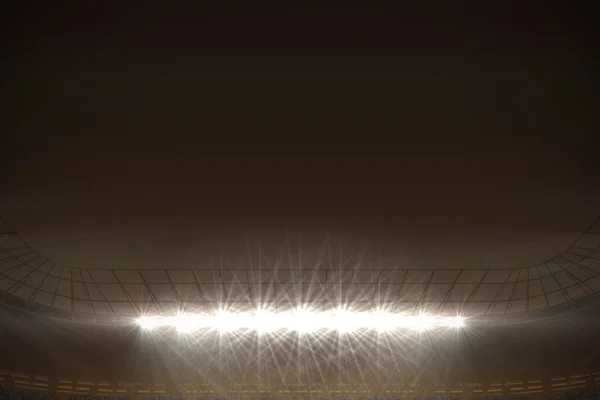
298,278
248,158
352,157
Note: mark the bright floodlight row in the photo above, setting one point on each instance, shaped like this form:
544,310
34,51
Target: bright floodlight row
300,321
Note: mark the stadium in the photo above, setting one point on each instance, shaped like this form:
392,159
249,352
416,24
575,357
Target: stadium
291,203
302,327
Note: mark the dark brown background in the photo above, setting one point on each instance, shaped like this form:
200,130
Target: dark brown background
450,137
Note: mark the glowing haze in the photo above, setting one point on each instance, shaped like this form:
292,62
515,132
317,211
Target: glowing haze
301,321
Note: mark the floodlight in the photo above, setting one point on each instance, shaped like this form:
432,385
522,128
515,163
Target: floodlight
146,322
304,321
185,323
266,322
420,323
229,322
383,322
347,322
456,322
301,321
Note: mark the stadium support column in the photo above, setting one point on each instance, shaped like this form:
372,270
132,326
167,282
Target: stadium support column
132,392
64,396
467,393
536,396
547,386
53,384
539,395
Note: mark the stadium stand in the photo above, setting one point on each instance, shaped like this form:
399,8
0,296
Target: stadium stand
503,397
23,394
583,394
381,398
26,394
96,397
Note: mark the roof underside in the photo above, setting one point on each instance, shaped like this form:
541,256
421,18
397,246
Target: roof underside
331,278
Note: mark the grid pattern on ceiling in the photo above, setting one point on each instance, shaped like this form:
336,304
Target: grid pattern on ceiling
28,276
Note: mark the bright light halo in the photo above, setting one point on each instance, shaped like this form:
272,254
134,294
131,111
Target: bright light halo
301,321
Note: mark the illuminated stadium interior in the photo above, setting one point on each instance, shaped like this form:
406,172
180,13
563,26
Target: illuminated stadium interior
279,295
340,336
297,203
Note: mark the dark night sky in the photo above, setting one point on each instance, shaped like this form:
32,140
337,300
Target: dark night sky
455,134
448,137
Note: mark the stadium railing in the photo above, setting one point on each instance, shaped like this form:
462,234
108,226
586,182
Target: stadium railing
17,386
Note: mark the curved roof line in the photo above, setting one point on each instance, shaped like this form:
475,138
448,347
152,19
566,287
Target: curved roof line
28,276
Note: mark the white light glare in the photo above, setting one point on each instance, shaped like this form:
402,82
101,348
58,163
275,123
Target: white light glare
267,322
146,322
420,323
456,322
302,321
185,323
230,322
384,322
348,322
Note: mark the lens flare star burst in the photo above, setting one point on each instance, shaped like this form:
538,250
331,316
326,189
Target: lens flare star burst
301,321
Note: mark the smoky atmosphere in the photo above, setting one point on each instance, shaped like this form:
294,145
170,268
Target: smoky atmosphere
300,202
